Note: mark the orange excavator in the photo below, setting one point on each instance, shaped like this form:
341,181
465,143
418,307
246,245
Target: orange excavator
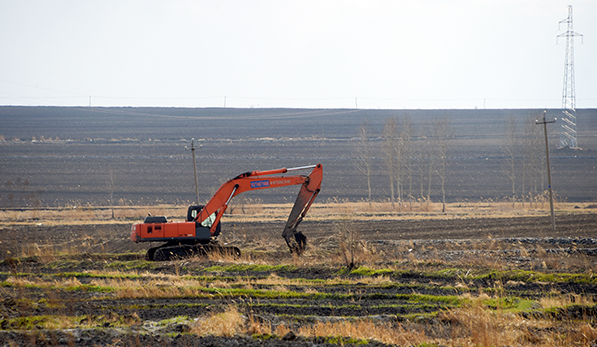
198,234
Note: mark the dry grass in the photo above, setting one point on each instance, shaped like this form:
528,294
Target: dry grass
256,211
472,325
477,325
48,253
368,330
227,323
565,300
149,286
170,287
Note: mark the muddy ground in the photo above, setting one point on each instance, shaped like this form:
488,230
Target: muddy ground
418,247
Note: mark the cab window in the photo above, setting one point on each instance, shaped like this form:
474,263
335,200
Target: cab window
209,221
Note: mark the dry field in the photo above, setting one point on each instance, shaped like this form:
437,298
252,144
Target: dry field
55,156
482,274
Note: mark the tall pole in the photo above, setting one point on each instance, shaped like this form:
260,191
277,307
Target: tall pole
545,122
192,149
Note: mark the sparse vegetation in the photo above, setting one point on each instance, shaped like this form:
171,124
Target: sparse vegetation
331,210
346,289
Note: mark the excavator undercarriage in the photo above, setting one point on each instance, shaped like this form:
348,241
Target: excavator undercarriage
173,250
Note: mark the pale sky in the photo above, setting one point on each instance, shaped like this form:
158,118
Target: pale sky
308,54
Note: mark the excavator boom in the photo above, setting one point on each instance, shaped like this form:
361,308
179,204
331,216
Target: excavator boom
256,180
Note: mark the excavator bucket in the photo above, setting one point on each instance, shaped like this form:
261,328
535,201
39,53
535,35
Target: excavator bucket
295,240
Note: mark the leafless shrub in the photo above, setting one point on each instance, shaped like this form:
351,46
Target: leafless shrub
352,249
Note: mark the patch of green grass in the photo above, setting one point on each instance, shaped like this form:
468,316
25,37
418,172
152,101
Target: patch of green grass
365,271
456,273
419,317
89,288
413,307
533,276
424,344
424,298
257,293
510,304
251,268
277,294
341,341
81,287
451,273
133,264
48,322
23,323
264,337
306,306
90,275
156,306
213,278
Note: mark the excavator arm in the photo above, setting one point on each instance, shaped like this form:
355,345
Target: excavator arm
256,180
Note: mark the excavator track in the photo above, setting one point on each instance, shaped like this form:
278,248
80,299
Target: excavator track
172,252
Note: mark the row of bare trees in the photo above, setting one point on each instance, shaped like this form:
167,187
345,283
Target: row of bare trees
525,159
405,153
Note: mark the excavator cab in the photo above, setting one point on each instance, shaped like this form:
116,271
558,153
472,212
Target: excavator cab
194,211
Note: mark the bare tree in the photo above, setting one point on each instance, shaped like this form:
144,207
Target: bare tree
111,187
406,134
532,166
442,134
429,147
364,155
425,166
509,148
390,148
421,166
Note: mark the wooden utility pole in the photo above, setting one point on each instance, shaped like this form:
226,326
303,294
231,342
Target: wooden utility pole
192,149
545,122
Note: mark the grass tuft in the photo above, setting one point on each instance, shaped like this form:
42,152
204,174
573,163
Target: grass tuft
227,323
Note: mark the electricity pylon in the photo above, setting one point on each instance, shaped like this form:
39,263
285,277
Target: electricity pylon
568,131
